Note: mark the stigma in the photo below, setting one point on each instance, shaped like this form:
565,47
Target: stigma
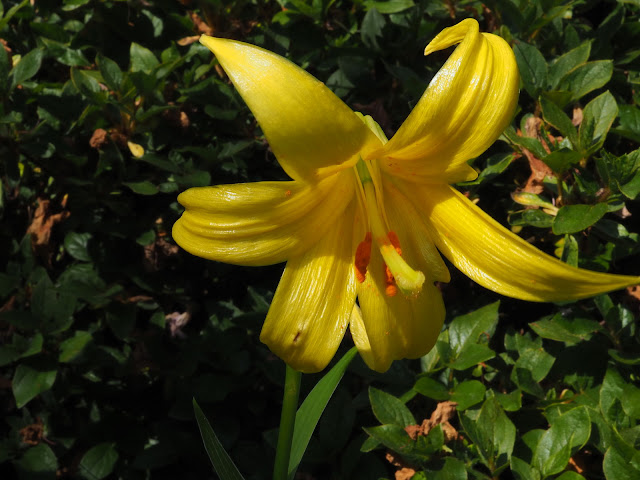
398,275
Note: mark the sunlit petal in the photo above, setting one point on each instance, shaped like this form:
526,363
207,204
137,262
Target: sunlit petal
360,338
312,306
501,261
260,223
310,130
466,107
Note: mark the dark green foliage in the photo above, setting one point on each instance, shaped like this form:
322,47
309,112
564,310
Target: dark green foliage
108,330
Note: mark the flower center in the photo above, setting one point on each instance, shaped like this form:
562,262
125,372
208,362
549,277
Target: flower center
398,274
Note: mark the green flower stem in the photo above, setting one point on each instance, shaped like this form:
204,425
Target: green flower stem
287,422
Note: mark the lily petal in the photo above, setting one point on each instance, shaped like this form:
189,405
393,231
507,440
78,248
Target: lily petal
499,260
360,338
260,223
314,300
466,107
310,130
392,328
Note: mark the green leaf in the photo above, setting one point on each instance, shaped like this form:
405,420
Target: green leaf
38,463
496,164
511,402
142,188
371,28
27,67
65,55
473,327
611,392
11,12
472,355
550,462
453,469
76,245
570,250
110,71
52,306
222,463
389,409
535,218
98,462
72,347
28,383
533,68
627,359
311,409
597,118
622,171
561,160
567,330
70,5
587,78
87,85
389,6
426,446
492,432
532,366
20,347
562,65
568,433
522,470
537,361
630,119
431,388
570,476
393,437
142,59
618,466
554,115
531,144
575,218
468,394
631,401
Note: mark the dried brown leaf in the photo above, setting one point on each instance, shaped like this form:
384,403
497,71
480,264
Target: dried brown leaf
32,434
98,139
186,41
41,226
200,25
577,116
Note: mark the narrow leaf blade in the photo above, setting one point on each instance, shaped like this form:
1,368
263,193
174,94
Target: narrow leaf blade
220,460
311,409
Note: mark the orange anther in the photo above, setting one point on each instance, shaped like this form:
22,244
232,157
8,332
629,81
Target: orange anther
363,256
393,238
287,193
390,289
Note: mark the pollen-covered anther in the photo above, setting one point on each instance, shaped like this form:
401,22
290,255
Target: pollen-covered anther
395,241
390,289
363,257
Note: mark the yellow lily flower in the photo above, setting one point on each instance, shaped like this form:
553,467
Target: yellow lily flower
364,218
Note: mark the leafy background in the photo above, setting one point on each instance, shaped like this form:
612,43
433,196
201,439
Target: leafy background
108,109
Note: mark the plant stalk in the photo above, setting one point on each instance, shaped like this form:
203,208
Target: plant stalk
287,423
